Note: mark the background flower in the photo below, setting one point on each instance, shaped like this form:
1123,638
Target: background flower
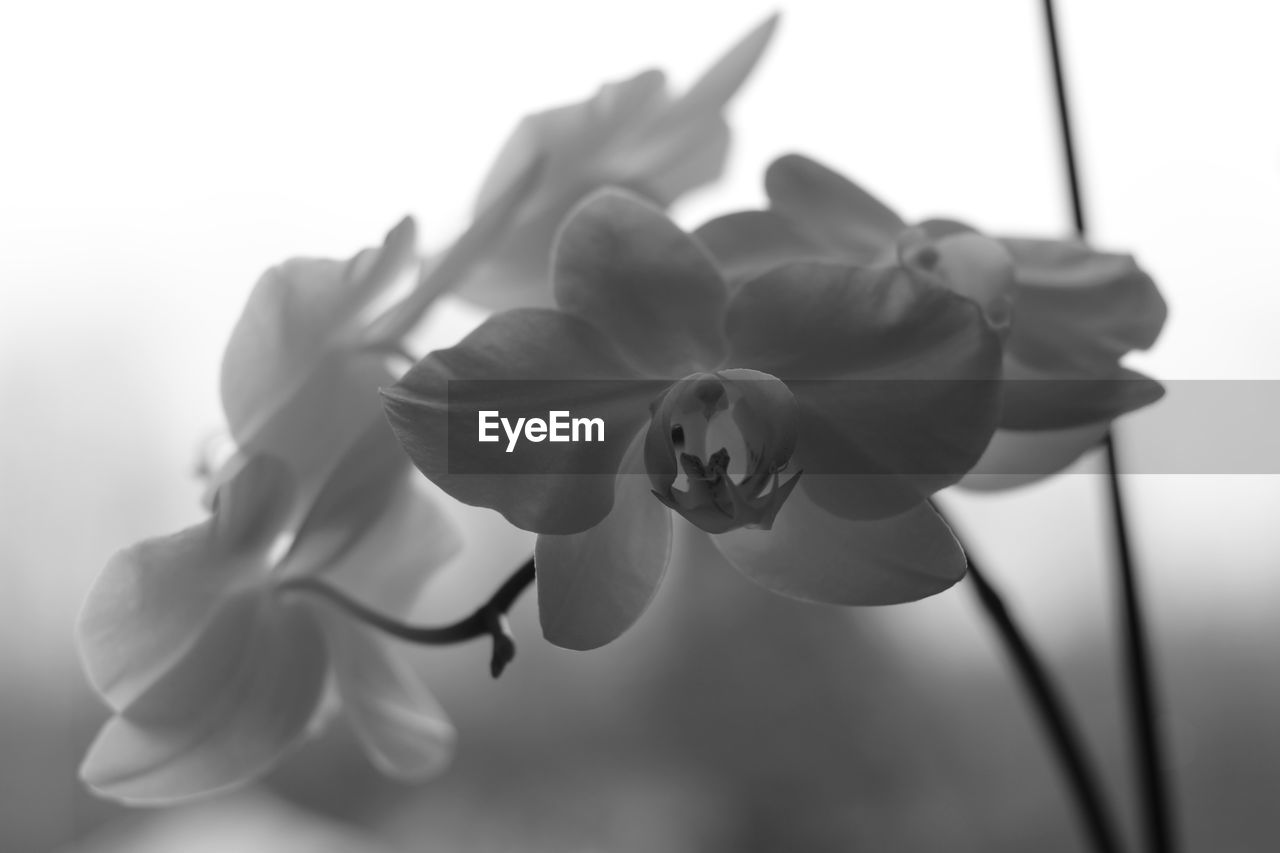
1072,312
214,676
211,675
633,134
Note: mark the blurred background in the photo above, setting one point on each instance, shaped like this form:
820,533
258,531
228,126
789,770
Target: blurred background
158,157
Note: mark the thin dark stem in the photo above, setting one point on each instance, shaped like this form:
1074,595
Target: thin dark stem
1064,119
489,619
1052,709
1143,705
1144,713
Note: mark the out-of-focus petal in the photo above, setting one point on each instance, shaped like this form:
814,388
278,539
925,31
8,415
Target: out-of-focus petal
1017,458
375,533
1079,310
627,268
751,242
666,166
685,146
354,496
593,586
574,144
570,138
1069,264
813,555
521,363
1042,400
966,263
631,134
203,729
713,90
401,726
896,381
817,320
296,312
322,418
829,208
152,601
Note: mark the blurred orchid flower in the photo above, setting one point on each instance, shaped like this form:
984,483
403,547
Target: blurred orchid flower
1068,313
302,366
211,673
632,134
878,389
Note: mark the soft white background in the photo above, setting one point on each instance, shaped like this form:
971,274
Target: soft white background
156,157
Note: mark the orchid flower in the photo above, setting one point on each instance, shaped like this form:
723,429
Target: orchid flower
214,673
213,668
1069,313
871,386
301,362
633,134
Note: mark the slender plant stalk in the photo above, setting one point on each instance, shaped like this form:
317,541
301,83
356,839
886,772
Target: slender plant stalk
489,619
1068,746
1143,706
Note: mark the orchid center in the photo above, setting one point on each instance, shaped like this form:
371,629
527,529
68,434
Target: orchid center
718,445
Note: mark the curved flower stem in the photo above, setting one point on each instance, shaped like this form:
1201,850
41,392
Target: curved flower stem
1143,705
489,619
1144,713
1052,709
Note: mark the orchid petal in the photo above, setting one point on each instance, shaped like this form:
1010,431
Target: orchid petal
320,419
384,557
574,145
522,363
401,726
372,532
569,137
593,586
969,264
630,134
812,555
628,269
354,495
752,242
720,82
817,320
207,728
1041,400
663,166
1017,458
151,602
1079,310
896,382
829,208
686,146
298,311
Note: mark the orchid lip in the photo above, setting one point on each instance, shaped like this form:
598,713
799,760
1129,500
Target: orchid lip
752,417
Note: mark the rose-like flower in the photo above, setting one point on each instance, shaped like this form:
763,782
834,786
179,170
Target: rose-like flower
211,670
1070,313
633,134
871,387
